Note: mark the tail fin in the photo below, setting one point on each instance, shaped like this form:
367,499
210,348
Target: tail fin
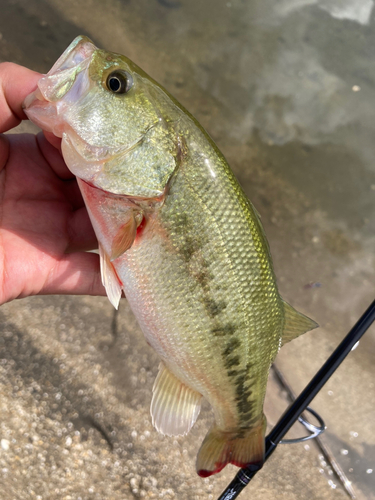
241,448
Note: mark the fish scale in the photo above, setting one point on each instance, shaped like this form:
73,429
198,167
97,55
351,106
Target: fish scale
241,291
179,236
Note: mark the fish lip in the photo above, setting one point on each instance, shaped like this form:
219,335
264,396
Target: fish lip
65,72
41,112
30,98
56,83
35,102
82,46
100,154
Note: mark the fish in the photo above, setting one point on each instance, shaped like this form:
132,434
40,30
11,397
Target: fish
178,235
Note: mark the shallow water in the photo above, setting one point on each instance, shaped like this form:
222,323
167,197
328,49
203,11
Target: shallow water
287,89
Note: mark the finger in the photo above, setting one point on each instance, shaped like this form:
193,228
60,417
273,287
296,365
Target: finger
57,164
16,82
4,151
53,157
52,139
76,274
73,194
80,232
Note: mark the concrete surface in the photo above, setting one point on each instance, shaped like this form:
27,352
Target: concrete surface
287,89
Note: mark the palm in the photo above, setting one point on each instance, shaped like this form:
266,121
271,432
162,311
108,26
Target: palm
42,218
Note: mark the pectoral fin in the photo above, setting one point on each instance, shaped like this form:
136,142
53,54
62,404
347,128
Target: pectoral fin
174,406
124,237
110,279
295,323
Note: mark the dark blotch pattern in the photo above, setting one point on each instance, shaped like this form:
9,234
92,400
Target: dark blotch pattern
231,346
243,394
230,362
242,383
224,330
213,308
190,249
203,277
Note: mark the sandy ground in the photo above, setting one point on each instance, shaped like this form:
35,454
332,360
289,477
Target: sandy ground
286,89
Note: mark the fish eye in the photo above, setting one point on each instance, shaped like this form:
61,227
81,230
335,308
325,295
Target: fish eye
119,82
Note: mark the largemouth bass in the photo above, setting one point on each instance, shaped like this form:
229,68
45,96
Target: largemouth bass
178,235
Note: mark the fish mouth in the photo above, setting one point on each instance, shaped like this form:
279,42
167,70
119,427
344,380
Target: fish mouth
63,85
91,153
87,161
45,106
80,156
60,78
52,106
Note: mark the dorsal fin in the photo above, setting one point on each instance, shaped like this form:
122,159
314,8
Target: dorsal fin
175,406
295,323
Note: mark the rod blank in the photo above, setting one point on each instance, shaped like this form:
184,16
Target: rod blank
291,415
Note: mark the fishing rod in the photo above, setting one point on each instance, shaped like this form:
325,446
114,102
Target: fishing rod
293,413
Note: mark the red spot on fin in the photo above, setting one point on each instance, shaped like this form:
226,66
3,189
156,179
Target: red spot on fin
208,473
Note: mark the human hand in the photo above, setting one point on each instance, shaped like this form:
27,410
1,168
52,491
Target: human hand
44,226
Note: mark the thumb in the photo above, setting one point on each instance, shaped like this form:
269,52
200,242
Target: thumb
16,82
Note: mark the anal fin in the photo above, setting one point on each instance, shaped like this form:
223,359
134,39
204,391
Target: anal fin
296,323
110,279
175,406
